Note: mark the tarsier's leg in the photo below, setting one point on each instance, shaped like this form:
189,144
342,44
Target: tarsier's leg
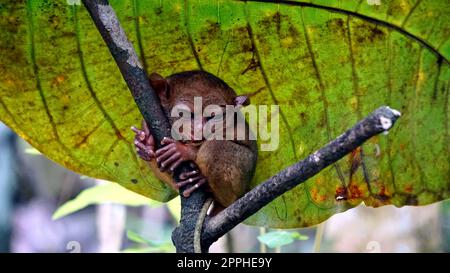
229,167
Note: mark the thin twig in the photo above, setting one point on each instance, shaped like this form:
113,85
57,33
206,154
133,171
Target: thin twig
148,102
377,122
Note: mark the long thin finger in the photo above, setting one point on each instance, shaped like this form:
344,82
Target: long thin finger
191,180
164,156
140,145
188,174
176,164
167,140
145,150
164,149
171,159
188,192
144,156
139,133
136,130
184,183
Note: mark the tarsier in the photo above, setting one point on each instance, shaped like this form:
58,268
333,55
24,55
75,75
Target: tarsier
224,166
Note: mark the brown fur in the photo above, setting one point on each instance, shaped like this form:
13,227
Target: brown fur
228,165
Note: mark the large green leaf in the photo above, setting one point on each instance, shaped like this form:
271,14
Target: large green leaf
326,63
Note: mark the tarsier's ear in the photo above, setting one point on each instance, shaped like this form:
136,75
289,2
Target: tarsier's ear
160,85
242,100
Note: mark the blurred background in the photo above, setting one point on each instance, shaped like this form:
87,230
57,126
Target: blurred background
47,208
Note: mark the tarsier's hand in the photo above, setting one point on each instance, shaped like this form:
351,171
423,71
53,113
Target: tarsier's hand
169,157
173,154
144,142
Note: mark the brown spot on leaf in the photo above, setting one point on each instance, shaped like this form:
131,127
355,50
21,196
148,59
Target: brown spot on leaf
54,21
60,78
365,32
341,194
134,181
119,135
397,8
303,116
383,194
355,192
409,188
314,193
210,32
279,24
336,26
277,20
116,164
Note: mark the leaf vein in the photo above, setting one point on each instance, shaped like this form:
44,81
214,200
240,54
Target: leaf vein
373,20
189,33
32,52
322,92
86,77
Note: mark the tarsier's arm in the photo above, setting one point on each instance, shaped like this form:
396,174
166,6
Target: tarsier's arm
227,166
162,165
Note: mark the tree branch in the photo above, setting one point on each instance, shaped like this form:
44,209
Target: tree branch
378,121
149,105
